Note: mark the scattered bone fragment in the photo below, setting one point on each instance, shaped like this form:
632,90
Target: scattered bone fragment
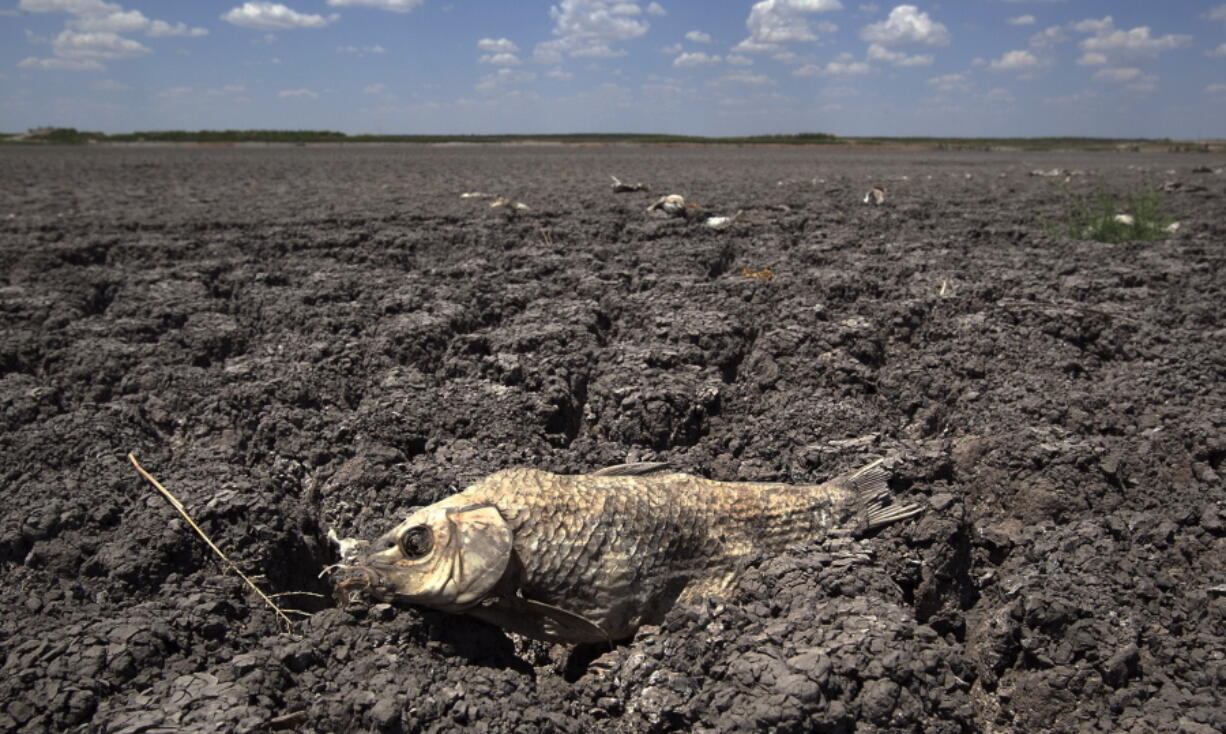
476,195
875,196
721,223
1172,228
513,205
1125,219
619,187
673,205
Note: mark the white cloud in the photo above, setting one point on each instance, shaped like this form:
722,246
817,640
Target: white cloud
396,6
556,73
906,24
696,58
950,83
1021,20
743,77
226,90
376,88
76,7
698,37
847,68
376,49
877,52
298,94
115,21
498,45
503,59
1220,51
503,77
590,29
775,22
60,64
1048,37
160,28
1215,89
656,9
671,49
1126,74
174,92
738,60
1217,12
1113,46
109,85
274,16
844,65
98,17
1144,83
102,45
1091,25
1000,94
1019,61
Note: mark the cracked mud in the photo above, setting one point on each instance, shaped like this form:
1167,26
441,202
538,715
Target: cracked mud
294,340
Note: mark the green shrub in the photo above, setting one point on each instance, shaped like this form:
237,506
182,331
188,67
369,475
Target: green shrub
1101,218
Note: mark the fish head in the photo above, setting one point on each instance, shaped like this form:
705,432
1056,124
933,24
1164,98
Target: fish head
443,556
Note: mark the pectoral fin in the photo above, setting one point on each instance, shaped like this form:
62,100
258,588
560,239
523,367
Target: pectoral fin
539,621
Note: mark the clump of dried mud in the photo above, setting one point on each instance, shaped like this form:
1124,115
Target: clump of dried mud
301,339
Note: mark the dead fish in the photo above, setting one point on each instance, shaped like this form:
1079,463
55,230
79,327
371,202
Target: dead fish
592,557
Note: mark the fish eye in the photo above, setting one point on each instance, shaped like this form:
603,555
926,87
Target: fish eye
416,541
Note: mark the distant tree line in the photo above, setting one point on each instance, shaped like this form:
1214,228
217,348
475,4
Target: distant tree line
72,136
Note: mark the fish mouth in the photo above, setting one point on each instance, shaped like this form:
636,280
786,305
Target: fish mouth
353,581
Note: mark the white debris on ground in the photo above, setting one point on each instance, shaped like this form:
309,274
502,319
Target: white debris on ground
619,187
721,223
513,205
1129,220
875,196
672,205
476,195
1057,172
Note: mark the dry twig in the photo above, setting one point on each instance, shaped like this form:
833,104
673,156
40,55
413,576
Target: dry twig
289,624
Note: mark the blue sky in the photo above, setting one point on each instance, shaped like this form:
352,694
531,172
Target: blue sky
978,67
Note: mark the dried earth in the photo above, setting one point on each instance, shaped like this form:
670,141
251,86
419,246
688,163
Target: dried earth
298,339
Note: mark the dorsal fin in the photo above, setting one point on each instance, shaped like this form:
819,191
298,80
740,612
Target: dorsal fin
637,469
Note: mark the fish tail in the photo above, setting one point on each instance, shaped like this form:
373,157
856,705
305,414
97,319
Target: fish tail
872,499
